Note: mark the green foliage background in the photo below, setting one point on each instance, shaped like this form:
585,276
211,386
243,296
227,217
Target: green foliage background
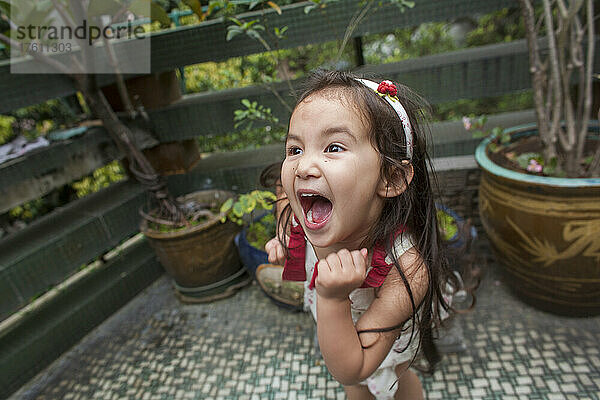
426,39
269,67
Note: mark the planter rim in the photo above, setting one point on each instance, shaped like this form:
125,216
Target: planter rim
216,220
181,232
494,169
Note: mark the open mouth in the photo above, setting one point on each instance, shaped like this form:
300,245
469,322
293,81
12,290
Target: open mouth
317,209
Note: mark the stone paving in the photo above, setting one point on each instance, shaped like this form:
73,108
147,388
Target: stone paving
245,347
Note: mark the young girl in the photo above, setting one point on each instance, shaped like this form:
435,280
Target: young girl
360,229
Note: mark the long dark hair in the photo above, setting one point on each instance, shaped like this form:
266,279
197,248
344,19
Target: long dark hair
413,209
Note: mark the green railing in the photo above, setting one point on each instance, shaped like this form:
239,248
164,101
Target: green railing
207,41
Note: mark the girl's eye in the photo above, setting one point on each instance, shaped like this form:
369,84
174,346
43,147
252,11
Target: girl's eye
293,150
334,148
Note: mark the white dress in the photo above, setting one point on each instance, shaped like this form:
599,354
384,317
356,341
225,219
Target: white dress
382,382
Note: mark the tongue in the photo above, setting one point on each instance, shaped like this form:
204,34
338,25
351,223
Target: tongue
320,209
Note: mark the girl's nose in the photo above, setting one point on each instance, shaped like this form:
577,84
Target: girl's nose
308,167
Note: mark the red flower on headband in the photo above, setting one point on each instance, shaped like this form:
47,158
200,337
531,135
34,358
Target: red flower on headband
387,87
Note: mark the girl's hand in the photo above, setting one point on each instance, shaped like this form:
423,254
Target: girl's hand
340,273
276,252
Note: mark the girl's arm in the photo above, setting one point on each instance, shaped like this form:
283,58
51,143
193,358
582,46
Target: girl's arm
350,357
274,247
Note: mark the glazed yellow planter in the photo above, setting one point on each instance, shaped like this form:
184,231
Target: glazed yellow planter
545,233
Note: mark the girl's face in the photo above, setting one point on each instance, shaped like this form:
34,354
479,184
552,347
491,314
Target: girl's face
331,173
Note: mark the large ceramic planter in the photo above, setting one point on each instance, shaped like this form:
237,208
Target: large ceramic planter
545,233
202,260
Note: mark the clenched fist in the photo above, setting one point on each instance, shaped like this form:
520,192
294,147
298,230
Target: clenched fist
340,273
276,252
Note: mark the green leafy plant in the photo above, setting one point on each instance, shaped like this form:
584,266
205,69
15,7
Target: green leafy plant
503,25
242,209
447,225
100,178
251,28
28,211
253,112
261,231
497,135
6,128
280,32
317,4
532,162
36,120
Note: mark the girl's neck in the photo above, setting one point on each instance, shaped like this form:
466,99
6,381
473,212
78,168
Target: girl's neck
323,252
356,241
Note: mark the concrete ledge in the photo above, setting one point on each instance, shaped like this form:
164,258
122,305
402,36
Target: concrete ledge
454,163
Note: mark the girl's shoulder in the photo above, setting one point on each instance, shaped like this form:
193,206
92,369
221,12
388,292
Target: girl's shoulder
404,242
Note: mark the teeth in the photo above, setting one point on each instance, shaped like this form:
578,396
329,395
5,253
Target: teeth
308,194
309,216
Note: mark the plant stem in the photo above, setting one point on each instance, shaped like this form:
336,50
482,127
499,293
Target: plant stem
354,22
558,90
538,78
587,73
138,164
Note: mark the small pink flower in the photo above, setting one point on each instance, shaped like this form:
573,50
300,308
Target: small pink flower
467,123
534,166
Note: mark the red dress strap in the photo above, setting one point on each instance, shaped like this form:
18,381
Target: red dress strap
295,270
380,268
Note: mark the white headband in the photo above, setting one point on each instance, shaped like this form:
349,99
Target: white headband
388,91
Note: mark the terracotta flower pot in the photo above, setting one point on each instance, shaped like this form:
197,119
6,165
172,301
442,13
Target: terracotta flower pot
545,233
202,260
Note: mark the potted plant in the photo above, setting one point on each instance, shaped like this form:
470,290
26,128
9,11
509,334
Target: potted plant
200,257
251,241
456,232
252,210
539,197
458,237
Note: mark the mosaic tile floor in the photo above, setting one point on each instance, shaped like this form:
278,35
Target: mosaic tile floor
245,347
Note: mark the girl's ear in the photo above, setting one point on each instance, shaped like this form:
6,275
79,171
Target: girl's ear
397,185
